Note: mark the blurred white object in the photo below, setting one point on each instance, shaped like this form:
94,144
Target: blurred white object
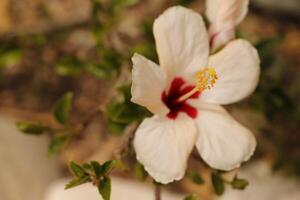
264,185
25,168
121,189
224,16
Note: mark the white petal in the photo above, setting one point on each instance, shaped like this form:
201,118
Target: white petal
224,16
148,83
223,143
163,145
181,41
237,67
226,12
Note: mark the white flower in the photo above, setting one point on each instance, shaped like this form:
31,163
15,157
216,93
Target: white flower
186,112
224,16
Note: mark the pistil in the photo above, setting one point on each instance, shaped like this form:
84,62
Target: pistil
206,79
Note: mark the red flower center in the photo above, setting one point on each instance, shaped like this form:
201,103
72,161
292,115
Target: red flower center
177,89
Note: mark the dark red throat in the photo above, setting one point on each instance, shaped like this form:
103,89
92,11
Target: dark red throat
177,89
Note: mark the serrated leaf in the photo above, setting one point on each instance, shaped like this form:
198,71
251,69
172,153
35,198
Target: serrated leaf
57,143
191,197
78,181
77,170
218,183
239,183
63,107
34,128
97,168
194,177
107,167
104,188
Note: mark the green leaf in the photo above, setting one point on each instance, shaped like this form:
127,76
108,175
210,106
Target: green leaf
125,113
115,128
139,171
104,188
100,71
239,183
63,107
195,177
78,181
97,168
10,57
191,197
57,143
77,170
218,183
34,128
107,167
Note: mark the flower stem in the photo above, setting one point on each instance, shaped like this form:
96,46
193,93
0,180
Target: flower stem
187,95
157,191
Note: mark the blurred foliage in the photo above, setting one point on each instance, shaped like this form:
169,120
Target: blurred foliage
123,112
219,182
61,136
194,177
191,197
272,101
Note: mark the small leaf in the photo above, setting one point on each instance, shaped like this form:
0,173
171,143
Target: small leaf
195,177
63,107
77,170
34,128
115,128
239,183
104,188
107,167
218,183
97,168
57,143
139,171
78,181
191,197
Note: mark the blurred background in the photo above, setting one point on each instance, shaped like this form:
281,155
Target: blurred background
81,49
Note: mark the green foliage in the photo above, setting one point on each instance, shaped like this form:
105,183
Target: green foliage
194,177
139,171
93,172
266,48
10,57
69,66
63,107
77,181
57,143
191,197
33,128
121,113
104,188
217,182
184,2
239,183
78,170
147,46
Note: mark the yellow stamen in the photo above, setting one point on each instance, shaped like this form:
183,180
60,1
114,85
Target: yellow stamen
206,79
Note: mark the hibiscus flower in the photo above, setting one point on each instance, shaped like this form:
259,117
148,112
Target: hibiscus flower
185,96
224,16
